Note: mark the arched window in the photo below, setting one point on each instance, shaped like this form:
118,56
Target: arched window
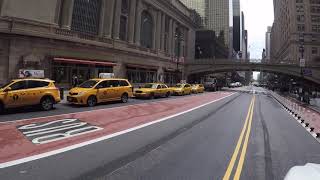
124,20
146,34
85,16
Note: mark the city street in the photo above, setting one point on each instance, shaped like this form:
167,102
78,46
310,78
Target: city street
240,134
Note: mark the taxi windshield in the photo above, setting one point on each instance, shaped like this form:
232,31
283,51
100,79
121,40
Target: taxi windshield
5,85
88,84
179,85
153,86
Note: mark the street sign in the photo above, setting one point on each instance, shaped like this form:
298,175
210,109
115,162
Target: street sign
307,72
302,63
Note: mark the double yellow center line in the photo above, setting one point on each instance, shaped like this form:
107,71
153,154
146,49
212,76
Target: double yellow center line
246,129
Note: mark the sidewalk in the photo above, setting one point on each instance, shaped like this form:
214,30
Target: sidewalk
314,104
307,115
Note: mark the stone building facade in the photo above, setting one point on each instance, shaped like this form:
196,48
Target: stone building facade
142,40
296,31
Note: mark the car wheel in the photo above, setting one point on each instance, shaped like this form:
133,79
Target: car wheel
47,103
124,98
92,101
151,96
167,94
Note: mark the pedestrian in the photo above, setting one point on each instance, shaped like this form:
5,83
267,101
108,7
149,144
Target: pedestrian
75,80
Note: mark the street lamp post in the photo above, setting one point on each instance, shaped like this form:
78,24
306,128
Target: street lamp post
302,64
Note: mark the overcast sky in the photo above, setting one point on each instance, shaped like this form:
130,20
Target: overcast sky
258,15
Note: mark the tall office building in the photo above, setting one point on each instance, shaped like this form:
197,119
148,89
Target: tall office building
268,44
237,26
215,15
200,7
296,31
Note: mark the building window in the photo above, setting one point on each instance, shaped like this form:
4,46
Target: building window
315,28
85,17
124,20
146,30
301,27
300,18
315,18
300,8
139,75
314,50
315,9
314,1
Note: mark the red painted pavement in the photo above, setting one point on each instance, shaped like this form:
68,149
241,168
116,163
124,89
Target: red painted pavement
14,145
309,115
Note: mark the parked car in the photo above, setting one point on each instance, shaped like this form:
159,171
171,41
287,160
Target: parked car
28,92
235,84
96,91
182,89
210,83
152,90
197,88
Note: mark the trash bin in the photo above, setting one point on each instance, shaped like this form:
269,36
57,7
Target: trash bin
61,89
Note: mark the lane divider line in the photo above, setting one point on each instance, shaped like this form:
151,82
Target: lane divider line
79,145
238,146
245,145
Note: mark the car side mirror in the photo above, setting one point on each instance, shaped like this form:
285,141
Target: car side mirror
139,87
8,89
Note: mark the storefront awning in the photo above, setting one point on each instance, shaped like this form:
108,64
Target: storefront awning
81,61
142,66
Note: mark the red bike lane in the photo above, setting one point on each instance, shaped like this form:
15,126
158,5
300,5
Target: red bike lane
31,139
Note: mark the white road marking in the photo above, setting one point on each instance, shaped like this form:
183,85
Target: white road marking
68,148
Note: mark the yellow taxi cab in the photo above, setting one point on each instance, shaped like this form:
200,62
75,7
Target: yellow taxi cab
95,91
182,89
197,88
27,92
152,90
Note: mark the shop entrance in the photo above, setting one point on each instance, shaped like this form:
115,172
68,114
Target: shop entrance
64,72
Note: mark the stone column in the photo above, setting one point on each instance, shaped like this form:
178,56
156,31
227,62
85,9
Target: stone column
103,11
163,30
116,21
120,70
138,23
67,10
174,26
170,37
155,28
57,12
160,74
108,20
132,15
158,32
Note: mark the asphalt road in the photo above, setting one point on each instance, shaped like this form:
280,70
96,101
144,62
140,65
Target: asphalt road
195,145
